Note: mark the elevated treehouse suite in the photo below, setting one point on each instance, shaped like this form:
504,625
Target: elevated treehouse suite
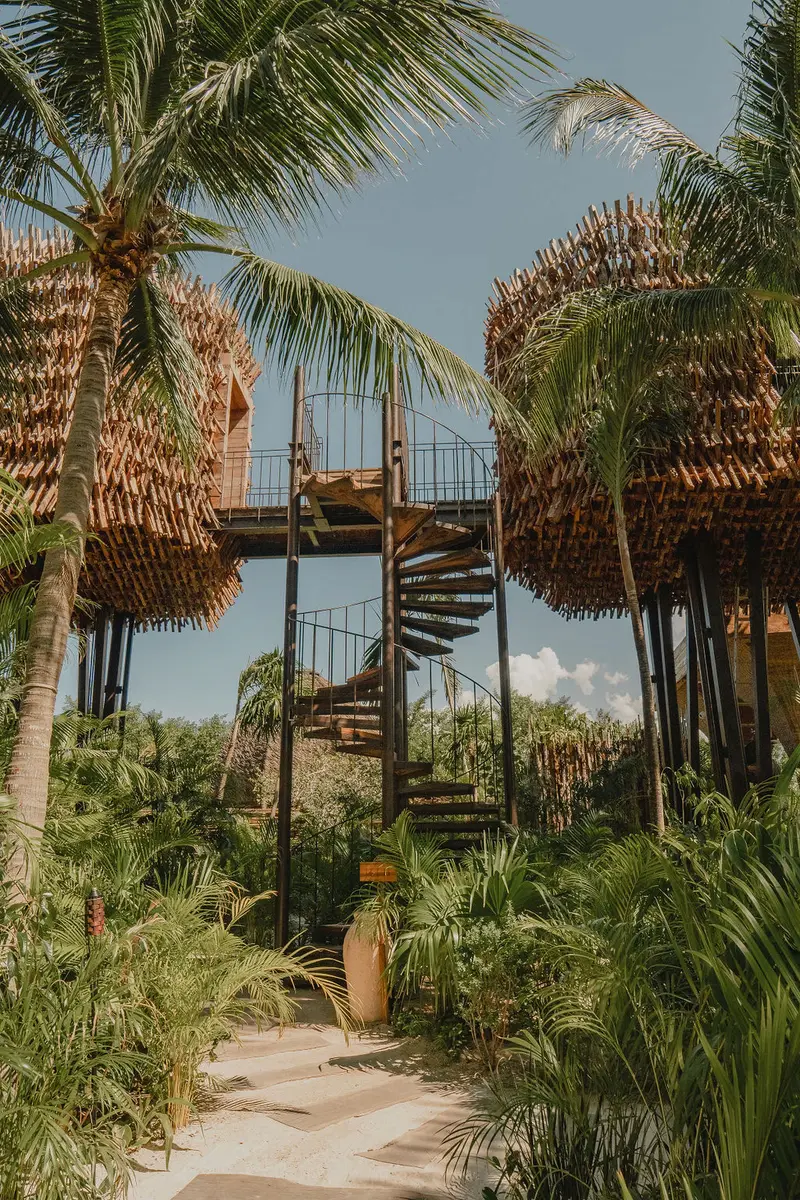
155,556
713,518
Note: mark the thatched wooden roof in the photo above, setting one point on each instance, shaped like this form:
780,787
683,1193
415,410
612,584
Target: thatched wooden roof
152,553
734,470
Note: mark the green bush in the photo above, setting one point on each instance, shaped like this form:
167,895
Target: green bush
497,981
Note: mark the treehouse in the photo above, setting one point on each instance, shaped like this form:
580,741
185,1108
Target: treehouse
155,555
714,517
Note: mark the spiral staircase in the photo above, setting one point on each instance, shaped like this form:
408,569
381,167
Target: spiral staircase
444,583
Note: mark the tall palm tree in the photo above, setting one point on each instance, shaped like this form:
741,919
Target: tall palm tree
156,130
258,705
736,213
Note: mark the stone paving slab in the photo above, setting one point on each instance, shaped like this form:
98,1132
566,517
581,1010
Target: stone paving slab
390,1091
254,1187
422,1145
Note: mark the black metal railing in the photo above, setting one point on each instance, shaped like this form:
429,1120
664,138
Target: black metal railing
325,873
342,434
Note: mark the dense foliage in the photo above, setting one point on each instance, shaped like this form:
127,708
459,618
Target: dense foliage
638,999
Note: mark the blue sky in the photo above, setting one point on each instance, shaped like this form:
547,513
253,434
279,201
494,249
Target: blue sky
426,247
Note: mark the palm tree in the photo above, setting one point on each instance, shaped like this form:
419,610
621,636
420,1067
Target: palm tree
735,213
156,130
258,705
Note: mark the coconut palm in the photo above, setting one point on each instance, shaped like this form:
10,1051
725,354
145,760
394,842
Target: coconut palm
156,130
258,705
734,215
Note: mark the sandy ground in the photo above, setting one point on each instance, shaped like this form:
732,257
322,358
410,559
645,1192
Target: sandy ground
312,1109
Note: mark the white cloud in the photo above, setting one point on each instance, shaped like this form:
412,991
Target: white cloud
623,706
616,678
583,675
538,676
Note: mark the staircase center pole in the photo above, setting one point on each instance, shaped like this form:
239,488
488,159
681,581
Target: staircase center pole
388,676
289,664
509,780
399,478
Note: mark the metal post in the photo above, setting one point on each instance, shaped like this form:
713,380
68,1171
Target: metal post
721,668
83,675
289,664
113,683
99,662
700,629
758,655
509,780
388,680
692,698
400,668
673,716
652,615
126,677
793,617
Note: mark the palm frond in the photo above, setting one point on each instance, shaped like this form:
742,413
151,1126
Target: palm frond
157,363
304,319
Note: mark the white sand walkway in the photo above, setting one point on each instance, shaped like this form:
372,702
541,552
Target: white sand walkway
311,1117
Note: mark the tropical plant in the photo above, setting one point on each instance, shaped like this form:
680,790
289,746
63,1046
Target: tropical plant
155,132
662,1061
258,705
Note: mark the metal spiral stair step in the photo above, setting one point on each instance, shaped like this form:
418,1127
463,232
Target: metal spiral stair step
446,809
447,608
465,583
457,826
422,646
436,536
346,734
445,629
464,560
408,769
306,705
351,720
437,788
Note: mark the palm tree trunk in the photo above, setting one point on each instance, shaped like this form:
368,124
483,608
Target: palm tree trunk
655,797
28,773
229,753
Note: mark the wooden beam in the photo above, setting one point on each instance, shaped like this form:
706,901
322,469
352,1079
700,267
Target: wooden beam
284,845
501,614
758,655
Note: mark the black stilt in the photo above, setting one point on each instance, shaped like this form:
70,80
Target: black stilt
793,617
692,698
509,779
83,673
289,665
126,677
658,611
389,627
113,681
721,702
99,662
758,656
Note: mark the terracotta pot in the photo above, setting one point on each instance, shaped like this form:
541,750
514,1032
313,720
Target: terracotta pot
364,967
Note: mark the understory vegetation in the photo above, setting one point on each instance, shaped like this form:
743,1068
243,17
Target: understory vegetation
636,1002
102,1038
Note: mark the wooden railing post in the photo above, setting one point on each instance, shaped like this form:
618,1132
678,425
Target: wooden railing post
289,664
509,780
389,608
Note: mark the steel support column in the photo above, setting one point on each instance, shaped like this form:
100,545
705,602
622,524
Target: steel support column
758,655
658,610
501,612
721,703
692,698
389,627
113,681
99,662
399,468
126,675
289,664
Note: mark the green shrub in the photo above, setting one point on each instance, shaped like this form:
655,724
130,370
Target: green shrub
497,981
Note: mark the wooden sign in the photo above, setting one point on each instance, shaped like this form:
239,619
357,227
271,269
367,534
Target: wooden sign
376,872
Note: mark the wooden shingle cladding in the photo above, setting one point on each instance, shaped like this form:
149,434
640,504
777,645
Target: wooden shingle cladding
733,470
151,552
